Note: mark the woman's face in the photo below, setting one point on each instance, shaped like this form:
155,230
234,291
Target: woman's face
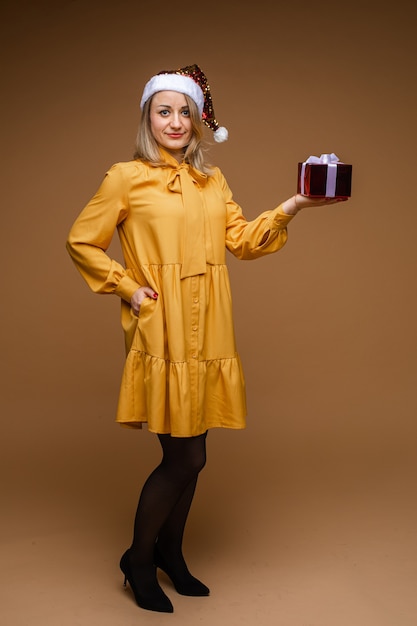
170,122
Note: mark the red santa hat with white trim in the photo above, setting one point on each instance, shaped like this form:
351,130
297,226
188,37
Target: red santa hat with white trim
191,81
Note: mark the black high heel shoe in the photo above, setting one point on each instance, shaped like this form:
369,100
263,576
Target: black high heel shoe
184,583
152,596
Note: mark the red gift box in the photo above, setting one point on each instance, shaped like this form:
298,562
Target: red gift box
324,177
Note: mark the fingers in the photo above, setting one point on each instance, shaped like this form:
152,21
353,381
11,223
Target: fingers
139,296
151,293
334,200
306,201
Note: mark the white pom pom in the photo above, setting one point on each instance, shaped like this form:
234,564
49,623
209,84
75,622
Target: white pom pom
221,134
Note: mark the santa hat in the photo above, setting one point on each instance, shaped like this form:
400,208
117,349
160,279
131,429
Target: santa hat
191,81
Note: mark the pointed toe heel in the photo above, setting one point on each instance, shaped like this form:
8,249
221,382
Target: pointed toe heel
150,597
185,584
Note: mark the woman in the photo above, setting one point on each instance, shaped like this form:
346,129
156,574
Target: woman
175,218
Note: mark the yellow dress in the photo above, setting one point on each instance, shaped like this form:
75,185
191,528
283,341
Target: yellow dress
182,373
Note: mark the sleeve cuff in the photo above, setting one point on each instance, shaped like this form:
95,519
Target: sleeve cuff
281,219
126,288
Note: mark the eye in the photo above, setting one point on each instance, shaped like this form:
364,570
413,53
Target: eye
185,112
164,112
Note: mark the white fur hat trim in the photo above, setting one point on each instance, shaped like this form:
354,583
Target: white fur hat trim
174,82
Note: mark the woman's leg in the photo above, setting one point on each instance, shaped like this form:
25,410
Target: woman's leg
168,550
183,459
168,491
171,535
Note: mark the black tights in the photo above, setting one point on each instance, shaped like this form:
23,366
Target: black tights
165,502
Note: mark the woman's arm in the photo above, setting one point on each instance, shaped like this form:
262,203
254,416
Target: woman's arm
92,233
267,233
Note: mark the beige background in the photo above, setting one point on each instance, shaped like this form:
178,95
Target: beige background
308,517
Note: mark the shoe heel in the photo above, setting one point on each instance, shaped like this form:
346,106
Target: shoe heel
154,599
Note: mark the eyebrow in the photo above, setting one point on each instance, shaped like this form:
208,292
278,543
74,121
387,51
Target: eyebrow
168,106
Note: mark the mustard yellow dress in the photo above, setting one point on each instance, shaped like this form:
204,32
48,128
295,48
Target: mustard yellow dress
182,373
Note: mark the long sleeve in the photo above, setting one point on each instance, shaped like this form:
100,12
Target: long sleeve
92,233
263,235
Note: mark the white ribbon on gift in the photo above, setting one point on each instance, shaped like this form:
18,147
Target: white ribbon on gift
331,160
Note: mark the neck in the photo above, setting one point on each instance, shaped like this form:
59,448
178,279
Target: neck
178,155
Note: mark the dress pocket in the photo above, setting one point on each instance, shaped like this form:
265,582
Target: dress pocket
132,322
145,308
150,336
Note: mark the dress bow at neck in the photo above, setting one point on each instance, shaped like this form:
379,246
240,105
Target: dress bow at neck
188,181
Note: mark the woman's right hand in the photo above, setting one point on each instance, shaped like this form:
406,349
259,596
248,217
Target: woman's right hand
298,202
139,296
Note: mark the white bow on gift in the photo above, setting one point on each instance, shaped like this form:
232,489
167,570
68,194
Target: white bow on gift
331,160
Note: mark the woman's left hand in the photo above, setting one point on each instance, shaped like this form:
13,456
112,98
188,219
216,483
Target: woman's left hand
139,296
298,202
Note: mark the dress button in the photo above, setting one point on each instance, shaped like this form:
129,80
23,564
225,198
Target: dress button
195,328
196,300
194,356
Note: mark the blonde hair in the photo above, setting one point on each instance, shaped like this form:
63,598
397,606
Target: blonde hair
147,148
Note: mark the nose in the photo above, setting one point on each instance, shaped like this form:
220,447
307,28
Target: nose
176,120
